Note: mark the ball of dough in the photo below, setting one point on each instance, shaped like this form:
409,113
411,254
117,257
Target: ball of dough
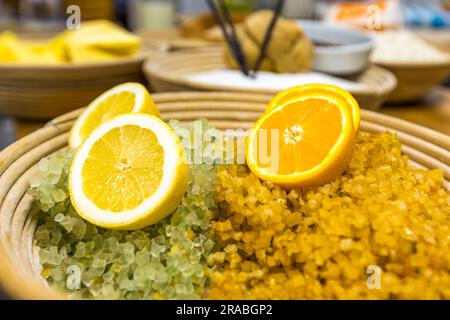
289,50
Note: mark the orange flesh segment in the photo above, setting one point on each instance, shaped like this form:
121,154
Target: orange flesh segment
307,132
120,161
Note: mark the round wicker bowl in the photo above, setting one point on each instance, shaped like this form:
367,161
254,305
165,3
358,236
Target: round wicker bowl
415,80
19,267
44,92
171,73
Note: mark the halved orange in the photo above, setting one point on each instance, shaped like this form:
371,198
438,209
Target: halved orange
292,94
302,143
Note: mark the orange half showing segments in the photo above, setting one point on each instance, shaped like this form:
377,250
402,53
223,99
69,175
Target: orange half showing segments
314,90
307,142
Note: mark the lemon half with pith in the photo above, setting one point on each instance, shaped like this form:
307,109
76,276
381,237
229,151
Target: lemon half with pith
130,172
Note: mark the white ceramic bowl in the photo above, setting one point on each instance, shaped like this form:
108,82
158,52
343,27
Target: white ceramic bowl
339,50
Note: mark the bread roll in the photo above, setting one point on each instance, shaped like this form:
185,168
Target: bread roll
289,50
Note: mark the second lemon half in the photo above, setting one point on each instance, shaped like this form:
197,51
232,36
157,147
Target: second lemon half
124,98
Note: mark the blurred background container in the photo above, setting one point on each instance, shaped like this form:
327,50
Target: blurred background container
428,19
162,13
151,13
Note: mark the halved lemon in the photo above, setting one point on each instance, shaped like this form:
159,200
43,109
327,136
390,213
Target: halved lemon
313,90
124,98
306,142
129,173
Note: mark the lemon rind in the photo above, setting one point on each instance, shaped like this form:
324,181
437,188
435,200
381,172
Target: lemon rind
141,97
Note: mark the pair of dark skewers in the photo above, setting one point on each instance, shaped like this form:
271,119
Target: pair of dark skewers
223,18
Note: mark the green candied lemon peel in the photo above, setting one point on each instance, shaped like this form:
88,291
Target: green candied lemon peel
164,261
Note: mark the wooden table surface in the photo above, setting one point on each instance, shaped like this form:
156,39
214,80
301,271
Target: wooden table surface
433,112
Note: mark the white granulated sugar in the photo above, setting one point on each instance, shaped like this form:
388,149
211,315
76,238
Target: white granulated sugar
269,80
405,47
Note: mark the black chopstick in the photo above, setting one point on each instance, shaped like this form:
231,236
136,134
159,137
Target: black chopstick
268,36
231,39
234,36
225,22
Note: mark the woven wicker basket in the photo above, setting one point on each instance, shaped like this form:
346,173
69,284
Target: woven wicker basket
19,267
170,73
44,92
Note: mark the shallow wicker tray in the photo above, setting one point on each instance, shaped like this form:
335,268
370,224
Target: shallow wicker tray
19,267
44,92
168,73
